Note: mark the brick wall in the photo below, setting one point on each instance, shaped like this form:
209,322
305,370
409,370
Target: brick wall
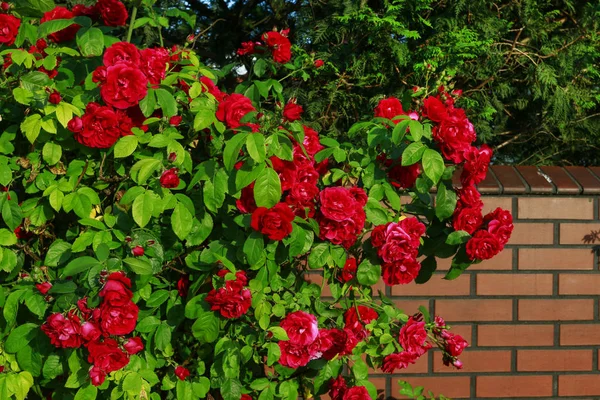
530,314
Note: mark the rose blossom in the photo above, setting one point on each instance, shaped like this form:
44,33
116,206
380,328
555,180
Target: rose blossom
232,300
318,63
182,372
137,251
120,320
404,177
116,291
275,222
357,320
133,345
483,246
100,127
468,220
337,388
293,355
183,285
113,12
292,111
43,287
63,332
398,361
357,393
280,46
389,108
233,108
301,327
169,179
400,272
154,63
121,52
125,86
90,332
476,165
413,337
9,28
66,34
349,271
105,357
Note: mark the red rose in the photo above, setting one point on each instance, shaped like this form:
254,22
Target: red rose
121,52
236,284
398,361
434,109
337,388
119,320
404,177
116,291
306,173
182,372
378,235
63,332
280,46
337,203
301,198
293,355
209,86
100,127
400,272
81,10
5,7
483,246
345,232
169,179
137,251
10,28
500,223
334,342
43,287
413,337
357,393
54,97
113,12
399,243
125,86
455,344
389,108
454,135
469,197
359,195
245,397
99,75
287,172
247,48
229,302
468,220
233,108
133,345
311,142
275,222
349,271
301,327
154,63
292,111
183,285
476,165
90,332
63,35
318,63
356,324
246,203
175,120
105,357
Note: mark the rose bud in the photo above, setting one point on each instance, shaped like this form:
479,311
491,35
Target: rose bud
458,364
137,251
128,239
5,7
190,38
169,179
319,63
175,120
134,345
43,287
182,372
55,97
75,125
172,157
1,369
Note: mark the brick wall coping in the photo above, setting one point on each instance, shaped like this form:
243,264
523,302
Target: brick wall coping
504,179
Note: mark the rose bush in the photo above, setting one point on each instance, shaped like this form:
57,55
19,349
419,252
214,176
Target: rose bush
157,226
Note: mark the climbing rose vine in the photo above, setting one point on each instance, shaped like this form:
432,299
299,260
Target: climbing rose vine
164,235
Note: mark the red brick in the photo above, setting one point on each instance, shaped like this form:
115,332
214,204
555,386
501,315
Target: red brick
514,386
420,367
579,334
554,360
502,261
579,233
514,284
436,286
532,233
515,335
477,361
554,207
579,259
474,310
490,203
579,385
579,284
556,310
455,387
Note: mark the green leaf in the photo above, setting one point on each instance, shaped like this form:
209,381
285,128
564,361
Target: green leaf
36,304
206,327
52,26
413,153
126,146
162,337
62,287
376,214
139,266
145,168
52,153
279,333
20,337
267,189
88,392
458,237
254,249
58,253
31,127
428,267
445,203
232,150
167,102
368,274
90,42
416,130
158,297
148,324
214,190
318,255
231,389
64,113
143,208
7,238
52,367
255,144
260,67
400,131
12,214
79,265
148,103
181,221
433,165
273,353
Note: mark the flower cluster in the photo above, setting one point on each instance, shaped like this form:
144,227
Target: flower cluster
308,342
232,300
491,236
398,245
277,42
339,390
341,214
413,339
101,330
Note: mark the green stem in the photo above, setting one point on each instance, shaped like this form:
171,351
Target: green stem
131,22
